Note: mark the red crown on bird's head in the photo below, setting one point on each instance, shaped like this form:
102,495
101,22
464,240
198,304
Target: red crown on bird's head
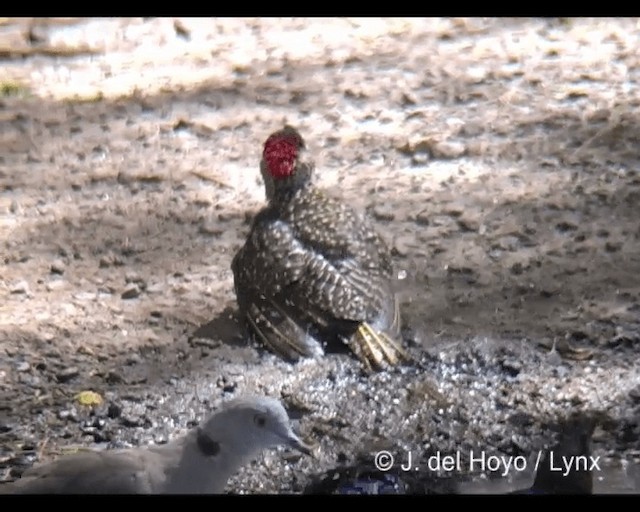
281,151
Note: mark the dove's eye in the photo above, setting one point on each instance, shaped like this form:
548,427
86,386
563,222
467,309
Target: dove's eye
260,420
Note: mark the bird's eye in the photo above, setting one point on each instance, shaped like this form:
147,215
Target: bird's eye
260,420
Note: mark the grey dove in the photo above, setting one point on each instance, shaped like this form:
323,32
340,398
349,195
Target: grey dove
202,461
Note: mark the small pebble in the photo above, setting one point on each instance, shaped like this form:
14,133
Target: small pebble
114,411
19,287
67,374
56,284
210,228
23,367
383,214
131,292
448,149
57,267
133,277
129,421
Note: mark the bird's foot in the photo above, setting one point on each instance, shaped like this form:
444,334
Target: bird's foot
376,350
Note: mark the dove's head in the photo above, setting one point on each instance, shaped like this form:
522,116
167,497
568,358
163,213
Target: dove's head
284,165
250,423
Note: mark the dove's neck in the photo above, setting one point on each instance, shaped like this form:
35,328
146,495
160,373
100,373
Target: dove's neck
190,471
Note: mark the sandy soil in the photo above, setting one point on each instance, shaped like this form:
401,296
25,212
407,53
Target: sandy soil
498,157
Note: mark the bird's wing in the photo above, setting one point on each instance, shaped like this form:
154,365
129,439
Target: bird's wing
277,265
333,229
87,473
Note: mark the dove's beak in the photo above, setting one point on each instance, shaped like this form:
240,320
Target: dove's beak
295,442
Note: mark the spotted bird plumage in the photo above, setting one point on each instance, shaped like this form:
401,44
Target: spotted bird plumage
312,271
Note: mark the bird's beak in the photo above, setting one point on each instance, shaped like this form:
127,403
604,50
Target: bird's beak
295,442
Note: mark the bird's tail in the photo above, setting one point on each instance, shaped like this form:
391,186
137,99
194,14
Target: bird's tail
379,348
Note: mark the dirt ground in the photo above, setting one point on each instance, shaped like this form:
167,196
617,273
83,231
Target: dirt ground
498,157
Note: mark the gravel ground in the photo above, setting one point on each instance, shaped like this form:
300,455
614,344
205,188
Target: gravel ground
498,157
